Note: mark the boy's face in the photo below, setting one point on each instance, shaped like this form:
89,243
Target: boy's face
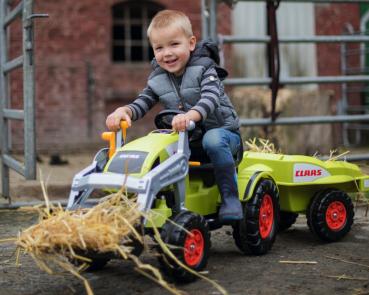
172,48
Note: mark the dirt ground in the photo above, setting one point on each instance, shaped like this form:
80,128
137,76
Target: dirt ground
239,274
341,268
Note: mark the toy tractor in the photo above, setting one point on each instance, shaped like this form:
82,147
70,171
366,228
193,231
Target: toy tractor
167,179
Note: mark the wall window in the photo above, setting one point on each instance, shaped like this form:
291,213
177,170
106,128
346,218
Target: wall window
130,22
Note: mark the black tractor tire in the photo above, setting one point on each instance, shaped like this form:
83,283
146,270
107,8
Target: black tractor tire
257,231
286,220
330,215
97,264
99,260
190,249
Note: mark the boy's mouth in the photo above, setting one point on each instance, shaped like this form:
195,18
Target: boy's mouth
171,62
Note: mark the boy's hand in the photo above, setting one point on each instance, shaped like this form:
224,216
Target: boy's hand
180,122
113,120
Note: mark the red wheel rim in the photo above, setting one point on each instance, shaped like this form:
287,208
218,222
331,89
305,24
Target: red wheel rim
193,247
266,216
336,216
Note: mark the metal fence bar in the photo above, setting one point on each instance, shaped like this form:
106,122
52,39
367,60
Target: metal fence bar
4,102
213,20
63,203
294,39
204,20
29,92
349,158
342,105
305,120
18,205
247,81
13,64
13,14
324,79
296,80
28,169
14,164
13,114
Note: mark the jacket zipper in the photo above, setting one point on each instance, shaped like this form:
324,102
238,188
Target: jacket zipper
177,91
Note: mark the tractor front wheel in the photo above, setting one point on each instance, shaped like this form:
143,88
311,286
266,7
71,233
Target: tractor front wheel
330,215
97,260
256,232
189,236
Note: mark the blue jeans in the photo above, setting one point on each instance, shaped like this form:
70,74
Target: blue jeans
221,145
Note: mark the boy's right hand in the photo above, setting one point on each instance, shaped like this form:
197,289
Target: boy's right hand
113,120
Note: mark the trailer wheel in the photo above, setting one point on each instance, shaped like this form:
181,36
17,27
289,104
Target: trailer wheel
256,232
189,234
286,220
330,215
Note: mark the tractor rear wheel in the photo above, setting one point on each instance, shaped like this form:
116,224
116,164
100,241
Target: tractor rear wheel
189,234
330,215
256,232
286,220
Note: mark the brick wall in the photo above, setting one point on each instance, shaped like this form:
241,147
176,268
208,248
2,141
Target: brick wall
76,80
74,43
331,19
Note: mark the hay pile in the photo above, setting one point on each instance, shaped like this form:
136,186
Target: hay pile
101,228
62,238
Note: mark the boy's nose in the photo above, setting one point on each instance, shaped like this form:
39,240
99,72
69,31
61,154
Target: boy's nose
167,52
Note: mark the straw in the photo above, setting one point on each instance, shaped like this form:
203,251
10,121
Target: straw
62,238
261,145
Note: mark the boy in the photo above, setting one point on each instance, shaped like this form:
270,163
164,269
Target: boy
186,78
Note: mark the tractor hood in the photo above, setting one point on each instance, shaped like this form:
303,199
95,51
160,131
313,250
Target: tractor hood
138,157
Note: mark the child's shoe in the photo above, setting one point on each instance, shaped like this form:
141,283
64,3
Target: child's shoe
231,208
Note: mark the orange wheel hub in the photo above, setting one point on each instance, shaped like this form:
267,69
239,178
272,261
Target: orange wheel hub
336,216
194,247
266,216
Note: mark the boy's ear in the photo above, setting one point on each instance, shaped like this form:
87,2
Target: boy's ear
192,43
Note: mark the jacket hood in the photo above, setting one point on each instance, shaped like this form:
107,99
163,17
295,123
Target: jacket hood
209,48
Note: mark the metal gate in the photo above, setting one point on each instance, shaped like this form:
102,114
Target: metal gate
209,25
8,15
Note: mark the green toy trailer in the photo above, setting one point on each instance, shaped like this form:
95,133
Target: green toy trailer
167,180
309,186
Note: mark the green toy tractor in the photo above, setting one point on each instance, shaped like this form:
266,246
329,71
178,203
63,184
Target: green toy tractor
167,179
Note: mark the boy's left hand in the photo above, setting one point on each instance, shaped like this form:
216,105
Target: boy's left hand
180,122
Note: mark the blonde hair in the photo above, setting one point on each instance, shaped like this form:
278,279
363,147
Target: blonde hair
168,17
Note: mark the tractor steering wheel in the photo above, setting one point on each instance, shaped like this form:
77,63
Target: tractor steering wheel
163,120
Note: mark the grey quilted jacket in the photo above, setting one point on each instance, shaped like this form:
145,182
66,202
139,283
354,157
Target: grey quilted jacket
200,89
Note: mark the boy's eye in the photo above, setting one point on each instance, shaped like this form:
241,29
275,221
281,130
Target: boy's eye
158,48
